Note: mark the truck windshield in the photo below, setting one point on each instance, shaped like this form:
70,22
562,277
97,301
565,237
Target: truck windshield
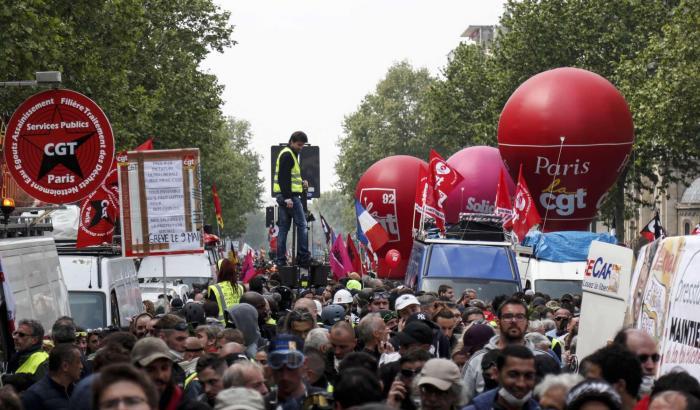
472,261
88,309
556,288
486,290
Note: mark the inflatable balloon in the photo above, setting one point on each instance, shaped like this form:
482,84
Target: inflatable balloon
387,191
480,167
572,131
392,258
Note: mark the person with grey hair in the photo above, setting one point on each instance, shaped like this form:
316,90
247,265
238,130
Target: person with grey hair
373,333
538,340
536,326
317,339
427,304
63,332
553,389
238,398
440,386
549,325
30,362
247,374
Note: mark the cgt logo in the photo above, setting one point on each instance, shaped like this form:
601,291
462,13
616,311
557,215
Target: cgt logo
558,199
188,161
600,269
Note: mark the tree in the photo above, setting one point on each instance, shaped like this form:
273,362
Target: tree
139,60
391,121
460,107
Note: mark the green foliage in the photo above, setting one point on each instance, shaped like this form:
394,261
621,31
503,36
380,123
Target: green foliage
139,60
388,122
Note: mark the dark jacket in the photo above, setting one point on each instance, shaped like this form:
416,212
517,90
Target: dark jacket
330,372
46,394
22,381
485,401
81,399
284,179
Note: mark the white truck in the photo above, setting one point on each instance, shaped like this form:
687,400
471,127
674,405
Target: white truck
103,286
182,274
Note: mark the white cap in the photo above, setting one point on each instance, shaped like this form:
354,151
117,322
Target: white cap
406,300
342,296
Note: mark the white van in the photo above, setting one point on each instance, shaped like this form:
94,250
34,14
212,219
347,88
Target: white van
103,289
551,278
33,272
182,273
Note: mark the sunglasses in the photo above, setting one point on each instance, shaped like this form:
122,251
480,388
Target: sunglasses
408,373
560,318
654,357
380,296
293,360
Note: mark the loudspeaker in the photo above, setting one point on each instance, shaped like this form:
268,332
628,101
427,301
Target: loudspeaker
289,276
269,216
318,275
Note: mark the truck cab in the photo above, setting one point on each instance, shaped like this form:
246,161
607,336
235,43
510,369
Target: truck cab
475,254
103,286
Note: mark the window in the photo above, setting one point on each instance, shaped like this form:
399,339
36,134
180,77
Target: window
686,228
88,309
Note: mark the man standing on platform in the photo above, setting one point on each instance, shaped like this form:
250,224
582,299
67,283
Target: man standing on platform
288,188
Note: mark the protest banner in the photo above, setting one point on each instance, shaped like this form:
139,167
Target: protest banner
605,288
161,202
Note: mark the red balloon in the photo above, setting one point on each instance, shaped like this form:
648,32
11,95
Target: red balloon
392,258
387,191
591,117
480,167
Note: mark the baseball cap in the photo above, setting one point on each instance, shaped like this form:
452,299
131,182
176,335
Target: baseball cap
150,349
239,398
415,332
342,296
406,300
421,317
354,284
441,373
286,350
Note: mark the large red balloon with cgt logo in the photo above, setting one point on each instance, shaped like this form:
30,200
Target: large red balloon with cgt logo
480,166
387,191
572,132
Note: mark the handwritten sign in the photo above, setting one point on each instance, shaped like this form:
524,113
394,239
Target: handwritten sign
161,202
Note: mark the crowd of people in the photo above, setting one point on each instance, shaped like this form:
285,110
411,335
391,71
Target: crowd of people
360,343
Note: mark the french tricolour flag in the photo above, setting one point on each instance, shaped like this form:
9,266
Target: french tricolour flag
369,231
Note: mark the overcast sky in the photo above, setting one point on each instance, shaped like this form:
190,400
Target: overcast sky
306,64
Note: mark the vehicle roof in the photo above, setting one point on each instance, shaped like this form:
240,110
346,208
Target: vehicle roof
461,242
176,266
541,269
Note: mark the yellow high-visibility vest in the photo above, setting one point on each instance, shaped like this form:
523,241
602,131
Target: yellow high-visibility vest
189,378
297,185
33,362
225,297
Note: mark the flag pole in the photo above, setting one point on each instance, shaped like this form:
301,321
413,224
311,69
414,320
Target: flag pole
554,177
551,188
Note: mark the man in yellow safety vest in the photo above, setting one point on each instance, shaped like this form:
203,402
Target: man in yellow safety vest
30,363
288,188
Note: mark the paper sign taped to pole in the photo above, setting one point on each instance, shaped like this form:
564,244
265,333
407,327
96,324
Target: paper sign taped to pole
161,202
605,286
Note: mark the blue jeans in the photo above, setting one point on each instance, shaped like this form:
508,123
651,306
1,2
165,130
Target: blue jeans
284,221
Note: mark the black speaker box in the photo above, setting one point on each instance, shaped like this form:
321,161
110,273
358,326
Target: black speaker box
318,275
289,276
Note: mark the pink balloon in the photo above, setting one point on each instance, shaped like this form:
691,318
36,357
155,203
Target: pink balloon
476,193
387,190
392,258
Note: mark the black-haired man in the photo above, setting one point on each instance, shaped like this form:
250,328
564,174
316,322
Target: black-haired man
288,188
54,390
512,322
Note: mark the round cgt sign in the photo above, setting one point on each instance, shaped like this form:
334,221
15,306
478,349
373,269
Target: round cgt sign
59,146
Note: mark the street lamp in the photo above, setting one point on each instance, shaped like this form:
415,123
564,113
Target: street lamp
7,207
42,78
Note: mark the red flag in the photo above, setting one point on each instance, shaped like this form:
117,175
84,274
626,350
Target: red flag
247,268
653,230
443,179
525,214
504,208
217,207
354,256
339,259
100,210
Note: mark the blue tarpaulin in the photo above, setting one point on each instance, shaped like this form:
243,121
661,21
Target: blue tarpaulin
564,246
